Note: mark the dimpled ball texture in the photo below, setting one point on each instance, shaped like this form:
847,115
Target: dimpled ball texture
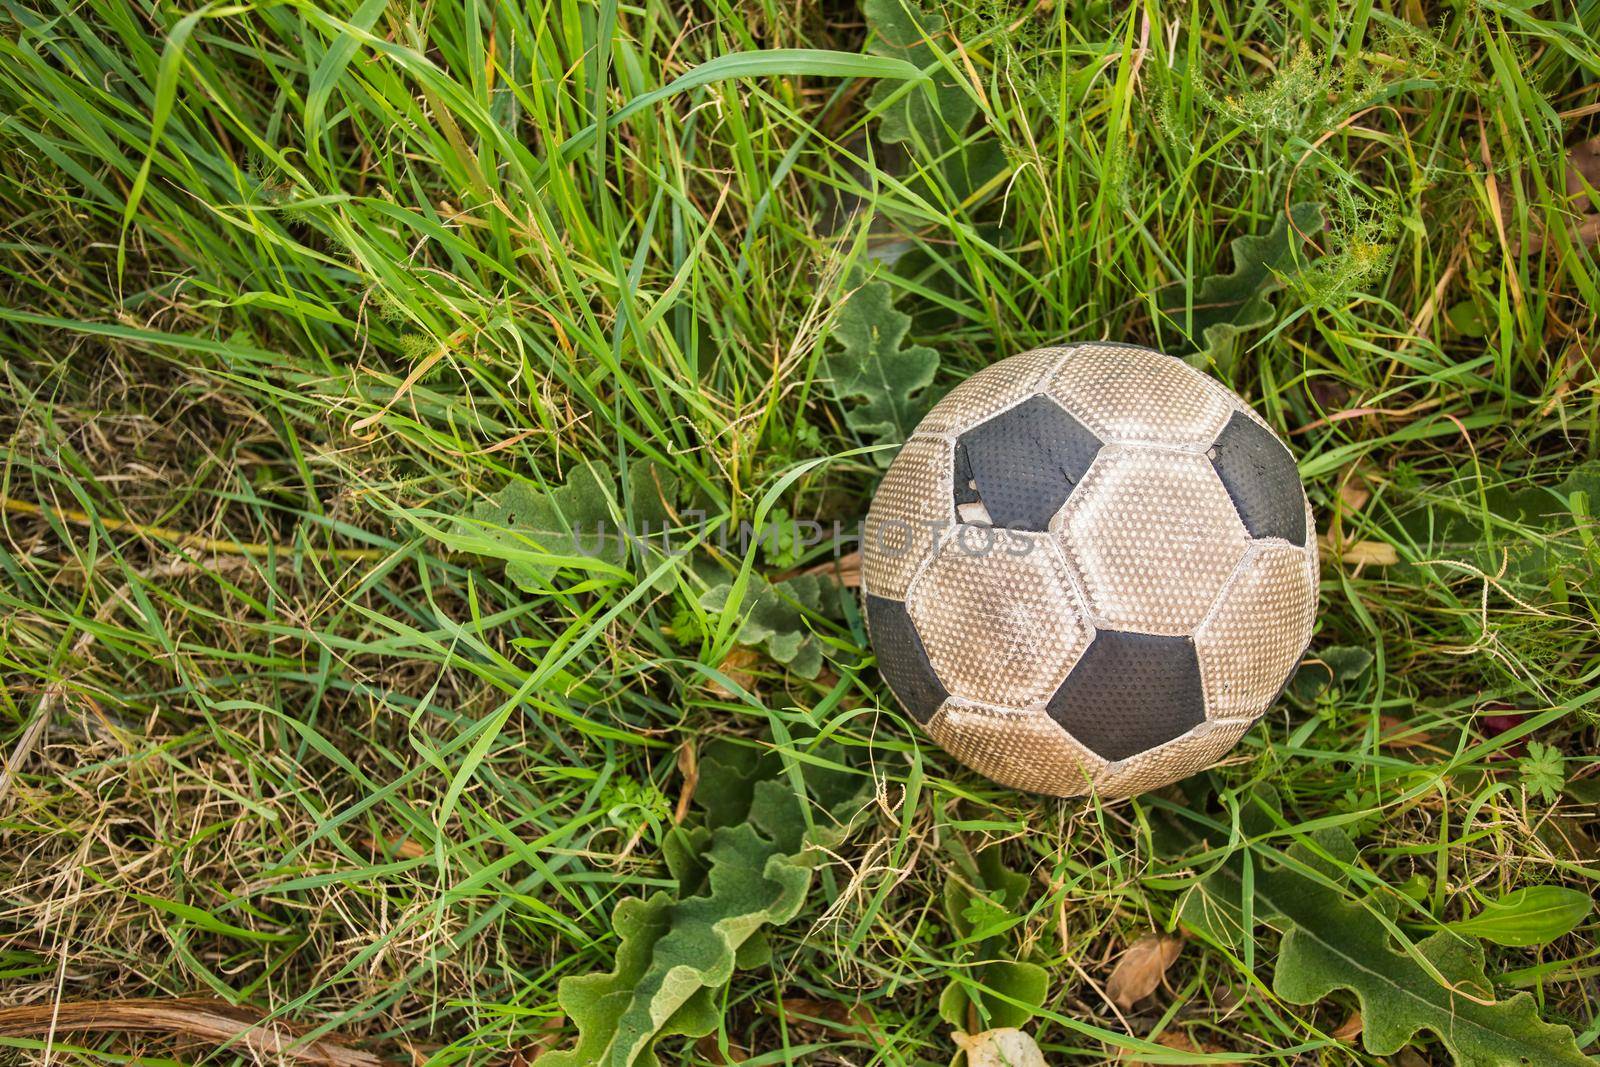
1091,569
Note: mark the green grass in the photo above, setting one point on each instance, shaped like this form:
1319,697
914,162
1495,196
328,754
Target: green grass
287,289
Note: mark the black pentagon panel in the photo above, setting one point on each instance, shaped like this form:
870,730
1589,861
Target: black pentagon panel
966,486
902,660
1131,692
1024,463
1260,476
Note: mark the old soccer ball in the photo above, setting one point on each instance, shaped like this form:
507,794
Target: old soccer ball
1091,568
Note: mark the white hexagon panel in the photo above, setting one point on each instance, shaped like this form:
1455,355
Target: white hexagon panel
914,505
1024,749
1125,394
998,617
1255,636
1153,536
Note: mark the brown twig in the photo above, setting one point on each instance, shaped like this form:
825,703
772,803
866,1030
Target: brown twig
194,1017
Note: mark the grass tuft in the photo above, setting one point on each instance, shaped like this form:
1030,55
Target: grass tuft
288,291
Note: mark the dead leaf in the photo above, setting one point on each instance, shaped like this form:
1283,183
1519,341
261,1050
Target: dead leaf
1582,175
1360,553
708,1050
1577,366
1329,394
828,1015
735,666
1173,1039
401,847
1586,232
1141,968
847,569
1354,490
1350,1029
999,1048
550,1032
1180,1041
1375,553
200,1018
418,372
1392,733
689,768
828,1012
1354,495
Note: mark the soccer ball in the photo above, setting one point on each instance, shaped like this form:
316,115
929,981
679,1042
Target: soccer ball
1090,569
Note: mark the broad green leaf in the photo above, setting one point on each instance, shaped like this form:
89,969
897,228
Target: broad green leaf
775,617
985,875
934,113
1584,790
983,997
582,524
1585,479
930,119
1331,943
883,383
1472,526
981,906
975,172
746,868
1467,319
1544,770
1225,306
1328,667
1535,915
1398,996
